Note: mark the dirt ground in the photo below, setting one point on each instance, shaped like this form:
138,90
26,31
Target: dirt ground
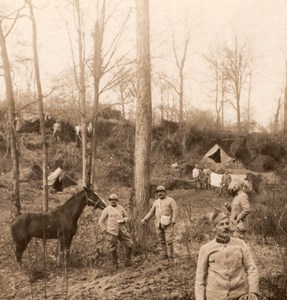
90,275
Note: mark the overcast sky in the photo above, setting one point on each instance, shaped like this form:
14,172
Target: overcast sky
263,22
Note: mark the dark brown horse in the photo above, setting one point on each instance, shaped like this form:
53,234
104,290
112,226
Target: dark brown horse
60,223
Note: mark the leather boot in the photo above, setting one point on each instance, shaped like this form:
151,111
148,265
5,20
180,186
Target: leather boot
114,259
128,257
163,251
170,251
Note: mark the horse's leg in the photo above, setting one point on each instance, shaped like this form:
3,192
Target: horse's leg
68,242
65,244
20,248
61,255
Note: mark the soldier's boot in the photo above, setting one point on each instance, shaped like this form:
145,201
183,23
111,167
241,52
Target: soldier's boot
170,251
114,259
163,251
128,257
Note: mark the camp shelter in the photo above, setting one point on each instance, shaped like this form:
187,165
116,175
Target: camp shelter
217,159
262,163
60,180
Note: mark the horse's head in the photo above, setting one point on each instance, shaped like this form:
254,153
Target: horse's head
93,199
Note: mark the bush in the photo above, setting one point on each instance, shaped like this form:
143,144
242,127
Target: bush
269,220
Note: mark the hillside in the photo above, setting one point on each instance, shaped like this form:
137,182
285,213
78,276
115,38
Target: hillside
89,276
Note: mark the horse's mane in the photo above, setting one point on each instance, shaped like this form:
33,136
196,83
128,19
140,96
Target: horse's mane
67,203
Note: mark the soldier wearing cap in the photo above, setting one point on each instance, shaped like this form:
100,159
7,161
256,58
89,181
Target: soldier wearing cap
239,209
225,267
225,182
165,210
113,222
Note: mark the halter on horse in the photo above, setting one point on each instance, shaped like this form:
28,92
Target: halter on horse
61,223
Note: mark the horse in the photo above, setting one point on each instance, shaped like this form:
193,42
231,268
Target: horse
61,223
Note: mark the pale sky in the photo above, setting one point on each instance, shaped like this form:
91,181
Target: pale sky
263,22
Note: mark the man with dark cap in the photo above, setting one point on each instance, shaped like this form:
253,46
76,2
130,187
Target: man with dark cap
113,222
165,211
225,267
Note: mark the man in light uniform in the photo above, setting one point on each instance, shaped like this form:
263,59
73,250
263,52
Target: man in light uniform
225,267
113,222
165,210
239,210
225,181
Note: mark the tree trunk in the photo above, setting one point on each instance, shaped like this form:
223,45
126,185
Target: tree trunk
144,110
249,102
285,103
82,90
45,206
180,119
16,206
97,73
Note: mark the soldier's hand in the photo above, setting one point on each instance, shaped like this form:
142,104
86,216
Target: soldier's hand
250,296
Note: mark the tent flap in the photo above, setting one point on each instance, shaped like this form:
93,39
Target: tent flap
216,158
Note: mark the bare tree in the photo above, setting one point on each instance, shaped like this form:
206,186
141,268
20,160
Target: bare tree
180,61
249,102
285,102
276,116
215,61
126,87
104,62
237,64
45,206
97,74
180,64
144,108
82,87
16,206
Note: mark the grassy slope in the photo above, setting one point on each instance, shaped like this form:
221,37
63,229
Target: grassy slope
90,275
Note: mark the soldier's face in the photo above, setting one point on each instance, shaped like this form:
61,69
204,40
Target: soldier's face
222,229
114,202
236,188
161,194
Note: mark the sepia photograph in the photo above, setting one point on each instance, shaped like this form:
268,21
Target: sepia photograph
143,149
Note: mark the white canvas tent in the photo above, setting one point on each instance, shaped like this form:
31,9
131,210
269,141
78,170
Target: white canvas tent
216,158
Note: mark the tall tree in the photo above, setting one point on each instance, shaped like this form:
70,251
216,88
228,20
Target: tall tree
177,84
104,62
215,62
237,65
276,116
16,206
249,102
45,205
97,74
144,107
180,64
285,102
82,87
